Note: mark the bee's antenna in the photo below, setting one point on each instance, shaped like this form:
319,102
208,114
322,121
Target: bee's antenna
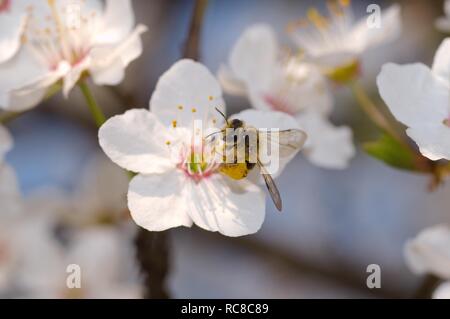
223,115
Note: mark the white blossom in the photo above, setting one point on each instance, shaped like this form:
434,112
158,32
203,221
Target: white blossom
62,41
258,70
338,40
419,98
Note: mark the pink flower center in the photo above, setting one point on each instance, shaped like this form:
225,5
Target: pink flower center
5,5
195,164
67,38
278,104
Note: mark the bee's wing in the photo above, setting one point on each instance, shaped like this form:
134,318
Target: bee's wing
272,187
289,141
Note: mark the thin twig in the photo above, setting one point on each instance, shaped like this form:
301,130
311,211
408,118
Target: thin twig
192,45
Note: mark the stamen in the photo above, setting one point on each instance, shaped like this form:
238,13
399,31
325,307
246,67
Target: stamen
317,19
60,30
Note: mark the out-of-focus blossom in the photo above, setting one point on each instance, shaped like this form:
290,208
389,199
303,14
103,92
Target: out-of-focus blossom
12,25
5,142
106,264
10,197
258,70
429,253
336,42
61,42
178,184
443,23
419,98
22,235
101,194
10,209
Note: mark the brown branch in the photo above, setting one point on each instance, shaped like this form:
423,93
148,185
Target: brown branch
426,288
153,256
191,48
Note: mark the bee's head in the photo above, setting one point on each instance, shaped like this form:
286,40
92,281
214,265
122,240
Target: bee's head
235,124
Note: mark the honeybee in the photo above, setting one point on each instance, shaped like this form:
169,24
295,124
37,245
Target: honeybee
249,140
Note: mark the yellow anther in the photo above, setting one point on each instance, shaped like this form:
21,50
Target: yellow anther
345,3
317,19
180,107
174,123
210,98
194,110
168,143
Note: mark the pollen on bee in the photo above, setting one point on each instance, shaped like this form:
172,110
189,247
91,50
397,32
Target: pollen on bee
174,123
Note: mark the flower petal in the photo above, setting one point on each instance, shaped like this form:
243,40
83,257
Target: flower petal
442,291
441,63
327,146
303,88
429,253
254,55
187,92
364,37
10,197
6,142
25,81
157,201
117,22
433,140
230,83
136,141
232,208
109,62
413,94
12,26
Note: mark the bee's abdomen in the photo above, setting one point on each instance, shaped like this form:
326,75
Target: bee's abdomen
235,171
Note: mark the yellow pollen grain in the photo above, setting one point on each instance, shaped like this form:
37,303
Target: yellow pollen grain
194,110
174,123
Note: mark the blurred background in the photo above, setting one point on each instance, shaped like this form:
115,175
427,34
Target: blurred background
335,223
